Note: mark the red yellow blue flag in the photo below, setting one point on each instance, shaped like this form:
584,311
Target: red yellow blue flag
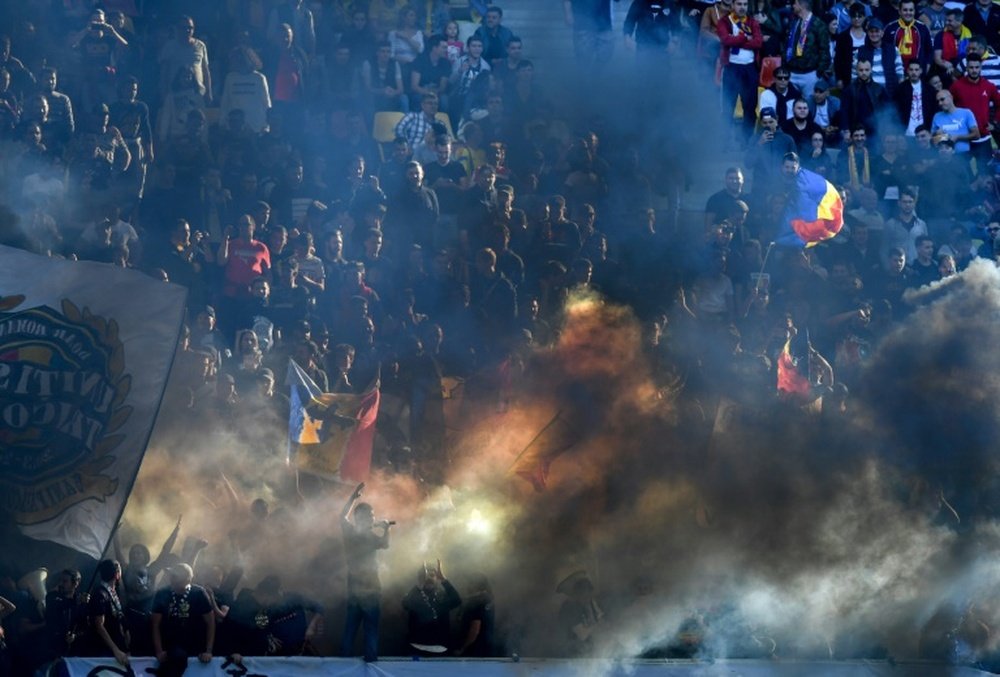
330,435
793,368
814,213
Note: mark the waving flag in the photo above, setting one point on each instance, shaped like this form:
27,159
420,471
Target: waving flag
330,435
85,349
814,213
793,368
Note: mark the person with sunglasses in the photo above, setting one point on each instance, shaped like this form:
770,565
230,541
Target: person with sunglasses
183,52
780,95
990,242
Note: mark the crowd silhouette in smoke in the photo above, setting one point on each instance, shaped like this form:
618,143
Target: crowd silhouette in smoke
580,437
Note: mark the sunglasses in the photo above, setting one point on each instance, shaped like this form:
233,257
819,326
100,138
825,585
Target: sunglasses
782,77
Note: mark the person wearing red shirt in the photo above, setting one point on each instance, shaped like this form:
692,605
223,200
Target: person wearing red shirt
741,40
980,96
244,258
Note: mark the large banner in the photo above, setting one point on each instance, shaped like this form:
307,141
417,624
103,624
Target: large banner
85,349
345,667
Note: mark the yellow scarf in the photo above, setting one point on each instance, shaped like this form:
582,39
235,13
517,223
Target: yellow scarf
852,166
740,23
906,43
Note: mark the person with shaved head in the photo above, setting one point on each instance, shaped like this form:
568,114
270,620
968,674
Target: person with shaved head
183,622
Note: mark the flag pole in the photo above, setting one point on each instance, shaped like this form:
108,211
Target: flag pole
535,438
763,265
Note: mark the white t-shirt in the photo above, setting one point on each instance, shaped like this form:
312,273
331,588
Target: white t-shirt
916,110
739,56
247,92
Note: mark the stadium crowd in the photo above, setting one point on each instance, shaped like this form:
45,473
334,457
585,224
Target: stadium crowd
385,190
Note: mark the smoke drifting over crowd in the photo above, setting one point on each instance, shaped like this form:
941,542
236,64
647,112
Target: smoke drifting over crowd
872,532
710,523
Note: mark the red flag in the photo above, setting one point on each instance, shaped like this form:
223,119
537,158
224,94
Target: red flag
793,369
357,462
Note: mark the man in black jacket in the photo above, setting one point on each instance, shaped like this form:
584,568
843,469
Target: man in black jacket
862,102
914,100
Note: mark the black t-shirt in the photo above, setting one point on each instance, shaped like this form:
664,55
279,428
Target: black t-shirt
278,629
429,621
97,51
63,615
480,608
448,196
183,624
722,204
592,15
430,75
106,603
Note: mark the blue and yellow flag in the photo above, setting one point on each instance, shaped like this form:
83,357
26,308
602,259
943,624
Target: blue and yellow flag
330,435
814,213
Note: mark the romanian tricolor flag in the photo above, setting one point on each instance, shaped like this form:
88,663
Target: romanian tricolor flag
793,369
814,213
330,435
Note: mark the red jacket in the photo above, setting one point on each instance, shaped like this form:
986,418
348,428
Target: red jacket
977,97
725,30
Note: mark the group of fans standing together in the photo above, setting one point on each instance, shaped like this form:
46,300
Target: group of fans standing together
255,181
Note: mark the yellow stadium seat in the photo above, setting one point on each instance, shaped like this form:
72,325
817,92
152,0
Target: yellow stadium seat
384,126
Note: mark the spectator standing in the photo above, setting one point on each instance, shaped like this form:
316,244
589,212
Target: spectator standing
593,38
243,258
979,95
183,623
287,67
61,123
914,100
98,45
364,590
296,14
954,124
808,52
912,38
107,617
246,89
478,621
428,606
741,40
184,52
862,102
887,66
951,44
982,17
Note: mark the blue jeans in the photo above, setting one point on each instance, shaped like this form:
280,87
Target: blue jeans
360,610
740,80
